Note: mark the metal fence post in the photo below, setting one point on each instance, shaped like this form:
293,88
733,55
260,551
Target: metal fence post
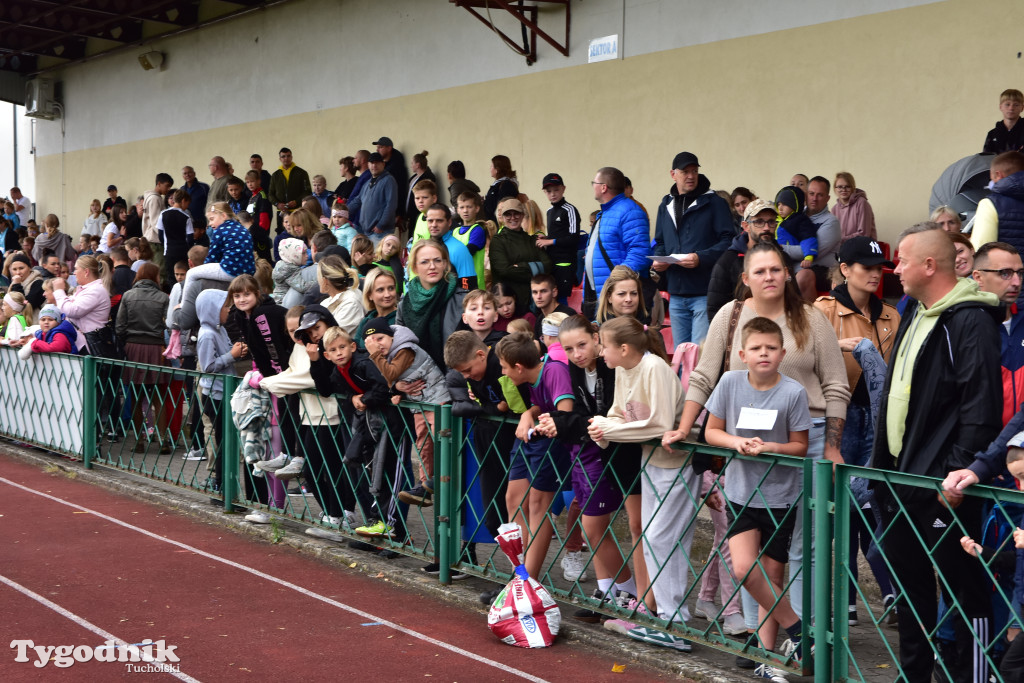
229,449
823,573
841,591
444,498
88,410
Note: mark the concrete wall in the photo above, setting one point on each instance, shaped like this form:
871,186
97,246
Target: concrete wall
891,96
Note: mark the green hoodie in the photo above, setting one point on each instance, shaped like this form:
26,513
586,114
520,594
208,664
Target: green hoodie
920,329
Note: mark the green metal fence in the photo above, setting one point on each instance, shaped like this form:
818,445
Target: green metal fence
144,419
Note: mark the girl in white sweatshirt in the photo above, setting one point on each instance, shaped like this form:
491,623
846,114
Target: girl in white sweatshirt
649,400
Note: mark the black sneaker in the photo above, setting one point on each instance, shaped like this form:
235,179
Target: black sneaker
590,616
744,663
419,496
487,597
459,575
388,554
433,569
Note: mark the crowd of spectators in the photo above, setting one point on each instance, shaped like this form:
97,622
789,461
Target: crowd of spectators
394,286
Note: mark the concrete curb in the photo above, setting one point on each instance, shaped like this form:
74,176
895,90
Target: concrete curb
402,572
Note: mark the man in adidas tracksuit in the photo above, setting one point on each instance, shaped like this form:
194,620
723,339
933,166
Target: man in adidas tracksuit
940,405
563,238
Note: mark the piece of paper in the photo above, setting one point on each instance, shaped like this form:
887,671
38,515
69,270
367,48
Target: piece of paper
757,419
664,259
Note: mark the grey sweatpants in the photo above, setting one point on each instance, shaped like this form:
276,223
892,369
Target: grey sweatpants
668,506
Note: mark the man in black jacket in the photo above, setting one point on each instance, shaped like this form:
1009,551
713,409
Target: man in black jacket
941,403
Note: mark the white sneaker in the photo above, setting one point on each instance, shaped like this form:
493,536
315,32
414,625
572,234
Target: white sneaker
573,567
767,672
289,471
273,464
325,534
195,454
257,517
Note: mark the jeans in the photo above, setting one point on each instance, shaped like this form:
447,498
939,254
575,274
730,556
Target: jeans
689,318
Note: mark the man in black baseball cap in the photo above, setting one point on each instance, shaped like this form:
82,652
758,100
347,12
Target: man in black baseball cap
394,163
111,200
694,226
563,238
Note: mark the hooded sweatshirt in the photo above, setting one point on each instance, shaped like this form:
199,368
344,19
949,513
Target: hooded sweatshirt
408,362
796,229
856,217
903,361
213,347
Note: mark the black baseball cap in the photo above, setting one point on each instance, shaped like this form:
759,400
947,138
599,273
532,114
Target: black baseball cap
551,179
684,159
384,140
111,188
865,251
374,156
378,326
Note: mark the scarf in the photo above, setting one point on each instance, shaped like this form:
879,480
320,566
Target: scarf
423,313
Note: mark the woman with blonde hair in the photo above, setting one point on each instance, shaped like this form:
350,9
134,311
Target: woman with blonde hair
947,218
88,309
432,304
380,299
340,284
852,208
16,314
305,224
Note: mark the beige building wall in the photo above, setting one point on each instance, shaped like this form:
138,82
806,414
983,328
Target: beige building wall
893,98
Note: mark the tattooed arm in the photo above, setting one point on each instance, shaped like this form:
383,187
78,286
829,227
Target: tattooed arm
834,439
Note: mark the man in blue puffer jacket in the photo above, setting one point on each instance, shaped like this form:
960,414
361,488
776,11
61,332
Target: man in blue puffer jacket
621,236
695,226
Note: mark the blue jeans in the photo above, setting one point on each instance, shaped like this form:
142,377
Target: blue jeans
689,318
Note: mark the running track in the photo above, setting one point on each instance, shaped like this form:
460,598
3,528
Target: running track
80,564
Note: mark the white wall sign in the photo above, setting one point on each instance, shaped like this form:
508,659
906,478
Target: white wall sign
603,49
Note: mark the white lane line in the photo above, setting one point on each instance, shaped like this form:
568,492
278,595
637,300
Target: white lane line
298,589
87,625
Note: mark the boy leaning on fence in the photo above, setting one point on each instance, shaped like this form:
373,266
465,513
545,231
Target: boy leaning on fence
755,411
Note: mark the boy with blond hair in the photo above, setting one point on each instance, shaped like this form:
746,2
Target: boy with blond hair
1007,136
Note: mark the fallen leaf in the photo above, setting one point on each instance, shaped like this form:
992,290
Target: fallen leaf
618,668
882,666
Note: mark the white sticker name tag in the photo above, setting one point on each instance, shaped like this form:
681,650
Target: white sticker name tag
757,419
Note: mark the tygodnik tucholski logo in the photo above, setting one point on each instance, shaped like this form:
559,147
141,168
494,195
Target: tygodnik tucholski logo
158,656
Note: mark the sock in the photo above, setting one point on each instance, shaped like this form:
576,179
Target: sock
604,584
629,585
795,631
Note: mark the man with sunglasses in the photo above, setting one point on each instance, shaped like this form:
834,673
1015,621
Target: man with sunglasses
998,269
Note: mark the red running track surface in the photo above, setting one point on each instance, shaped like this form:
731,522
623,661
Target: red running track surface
236,608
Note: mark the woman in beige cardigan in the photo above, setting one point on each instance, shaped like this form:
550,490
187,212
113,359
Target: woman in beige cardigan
813,358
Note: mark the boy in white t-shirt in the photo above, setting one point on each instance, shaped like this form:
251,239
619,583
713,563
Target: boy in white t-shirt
755,411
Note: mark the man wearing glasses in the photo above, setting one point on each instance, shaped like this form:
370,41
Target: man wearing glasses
621,236
998,269
759,221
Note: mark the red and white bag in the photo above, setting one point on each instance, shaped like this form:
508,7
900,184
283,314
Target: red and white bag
524,614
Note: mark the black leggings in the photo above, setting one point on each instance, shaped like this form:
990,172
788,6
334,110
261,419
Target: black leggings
323,468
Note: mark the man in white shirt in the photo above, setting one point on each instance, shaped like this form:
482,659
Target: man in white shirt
22,205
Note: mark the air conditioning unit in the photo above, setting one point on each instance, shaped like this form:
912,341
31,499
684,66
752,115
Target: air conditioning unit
39,102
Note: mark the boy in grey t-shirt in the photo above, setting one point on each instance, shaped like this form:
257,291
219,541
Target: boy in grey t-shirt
755,411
